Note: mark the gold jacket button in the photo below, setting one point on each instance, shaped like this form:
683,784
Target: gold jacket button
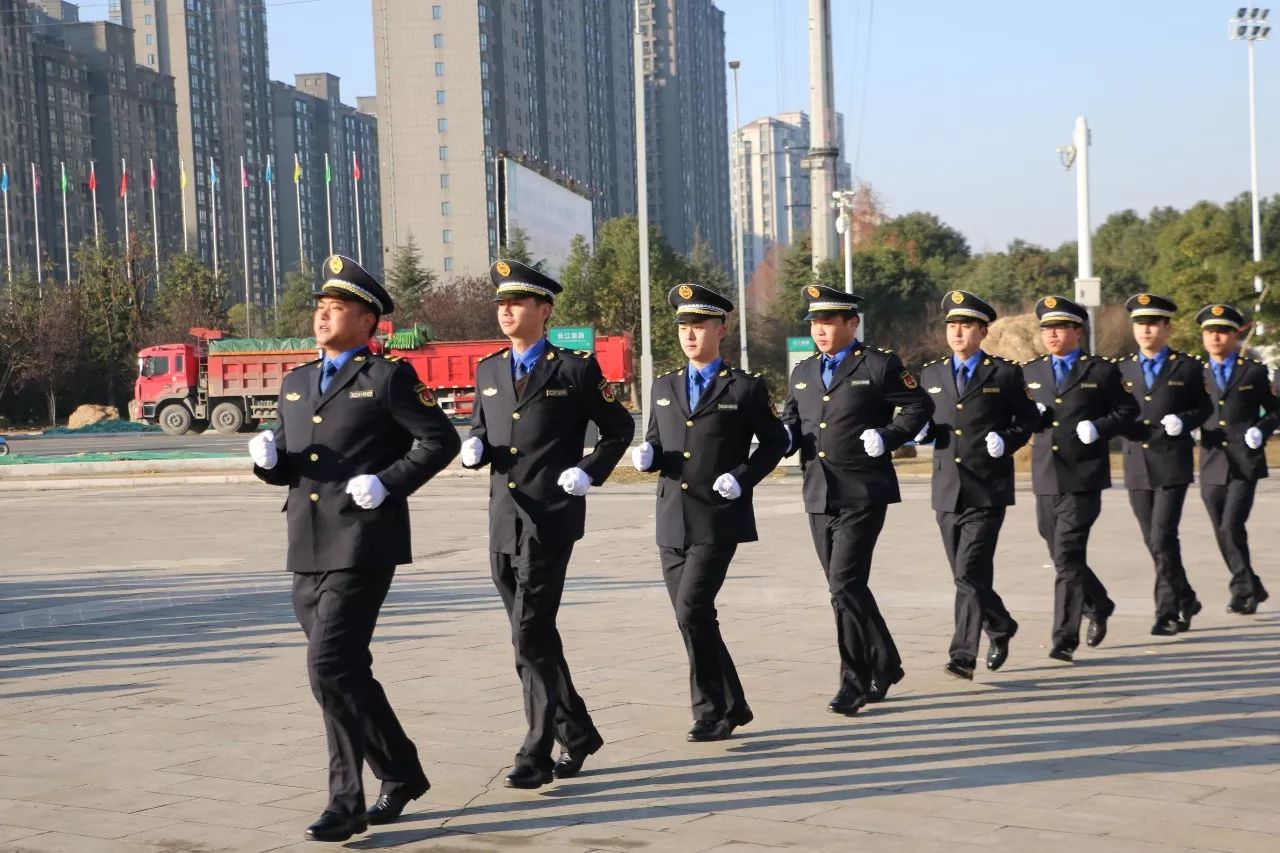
315,419
688,423
1055,448
1224,444
822,425
1145,445
959,405
511,485
957,460
314,497
1147,398
1057,423
514,451
822,454
515,416
1222,402
684,486
826,398
959,432
1057,400
1146,421
687,454
1222,423
315,457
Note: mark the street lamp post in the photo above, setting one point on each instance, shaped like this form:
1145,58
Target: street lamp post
739,226
642,216
1249,26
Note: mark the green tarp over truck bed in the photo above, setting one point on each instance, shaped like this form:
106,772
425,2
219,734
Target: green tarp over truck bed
263,345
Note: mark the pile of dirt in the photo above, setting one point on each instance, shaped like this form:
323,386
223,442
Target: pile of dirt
1016,338
90,414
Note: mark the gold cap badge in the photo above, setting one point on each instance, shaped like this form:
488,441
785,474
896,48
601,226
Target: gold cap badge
335,265
503,268
1050,302
1216,310
814,292
957,297
1144,299
685,291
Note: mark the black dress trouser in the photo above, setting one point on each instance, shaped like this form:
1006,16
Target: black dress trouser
845,540
969,538
531,584
1229,507
338,612
1159,512
1064,522
693,576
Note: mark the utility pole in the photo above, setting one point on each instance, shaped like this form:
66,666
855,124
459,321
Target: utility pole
823,151
739,215
1088,289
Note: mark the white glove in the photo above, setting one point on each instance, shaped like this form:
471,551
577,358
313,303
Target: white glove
1254,438
472,450
995,445
367,491
1172,425
574,481
726,486
262,450
1086,432
920,436
872,443
642,456
1042,407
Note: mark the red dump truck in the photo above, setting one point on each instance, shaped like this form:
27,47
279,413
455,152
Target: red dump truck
233,384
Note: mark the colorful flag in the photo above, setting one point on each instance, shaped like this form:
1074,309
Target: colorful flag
213,175
355,167
244,175
328,176
93,179
63,182
153,173
267,176
297,169
35,179
4,178
182,173
124,180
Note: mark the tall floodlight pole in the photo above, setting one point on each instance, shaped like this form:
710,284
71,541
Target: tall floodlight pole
642,215
1088,288
823,151
740,210
1249,26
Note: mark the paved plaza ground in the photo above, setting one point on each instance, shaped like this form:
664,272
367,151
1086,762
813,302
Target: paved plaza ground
153,694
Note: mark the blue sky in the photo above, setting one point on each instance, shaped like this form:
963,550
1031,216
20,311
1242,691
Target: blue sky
965,102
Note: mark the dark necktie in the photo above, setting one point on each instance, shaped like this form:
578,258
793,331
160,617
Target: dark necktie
522,370
962,378
1220,374
699,385
1060,372
1149,371
326,375
828,371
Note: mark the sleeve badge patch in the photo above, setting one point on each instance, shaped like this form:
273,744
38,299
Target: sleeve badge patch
909,381
424,395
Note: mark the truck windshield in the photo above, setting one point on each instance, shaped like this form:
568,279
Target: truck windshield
155,365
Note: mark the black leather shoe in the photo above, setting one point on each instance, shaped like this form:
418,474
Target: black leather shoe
1097,630
1259,591
526,777
847,701
1242,605
880,684
741,718
703,731
1062,653
332,826
568,764
1164,628
958,670
1185,614
389,806
997,654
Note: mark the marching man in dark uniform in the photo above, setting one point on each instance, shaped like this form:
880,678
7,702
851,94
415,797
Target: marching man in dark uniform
982,415
355,436
699,438
1082,406
840,418
532,405
1232,442
1169,387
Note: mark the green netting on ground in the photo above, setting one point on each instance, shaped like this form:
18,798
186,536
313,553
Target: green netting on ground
410,338
104,428
263,345
15,458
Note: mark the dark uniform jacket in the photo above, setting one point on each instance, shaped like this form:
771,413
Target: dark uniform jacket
692,449
1060,461
994,400
1152,458
375,418
1248,401
529,442
826,427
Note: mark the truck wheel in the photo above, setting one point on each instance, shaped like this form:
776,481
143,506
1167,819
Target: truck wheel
227,418
175,419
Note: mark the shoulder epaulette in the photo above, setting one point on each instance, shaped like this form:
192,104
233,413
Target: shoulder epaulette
391,357
885,351
307,364
583,353
492,354
660,375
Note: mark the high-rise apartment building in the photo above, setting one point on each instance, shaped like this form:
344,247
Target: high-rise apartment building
216,52
770,183
687,124
311,122
462,82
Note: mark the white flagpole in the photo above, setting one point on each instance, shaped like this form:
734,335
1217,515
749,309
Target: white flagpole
124,186
35,199
355,176
271,229
93,191
213,203
328,201
244,232
297,186
155,223
8,250
66,229
182,179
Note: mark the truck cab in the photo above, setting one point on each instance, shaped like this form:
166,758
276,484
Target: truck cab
167,374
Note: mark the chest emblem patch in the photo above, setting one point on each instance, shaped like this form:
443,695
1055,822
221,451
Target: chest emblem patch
664,402
361,395
490,392
293,396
